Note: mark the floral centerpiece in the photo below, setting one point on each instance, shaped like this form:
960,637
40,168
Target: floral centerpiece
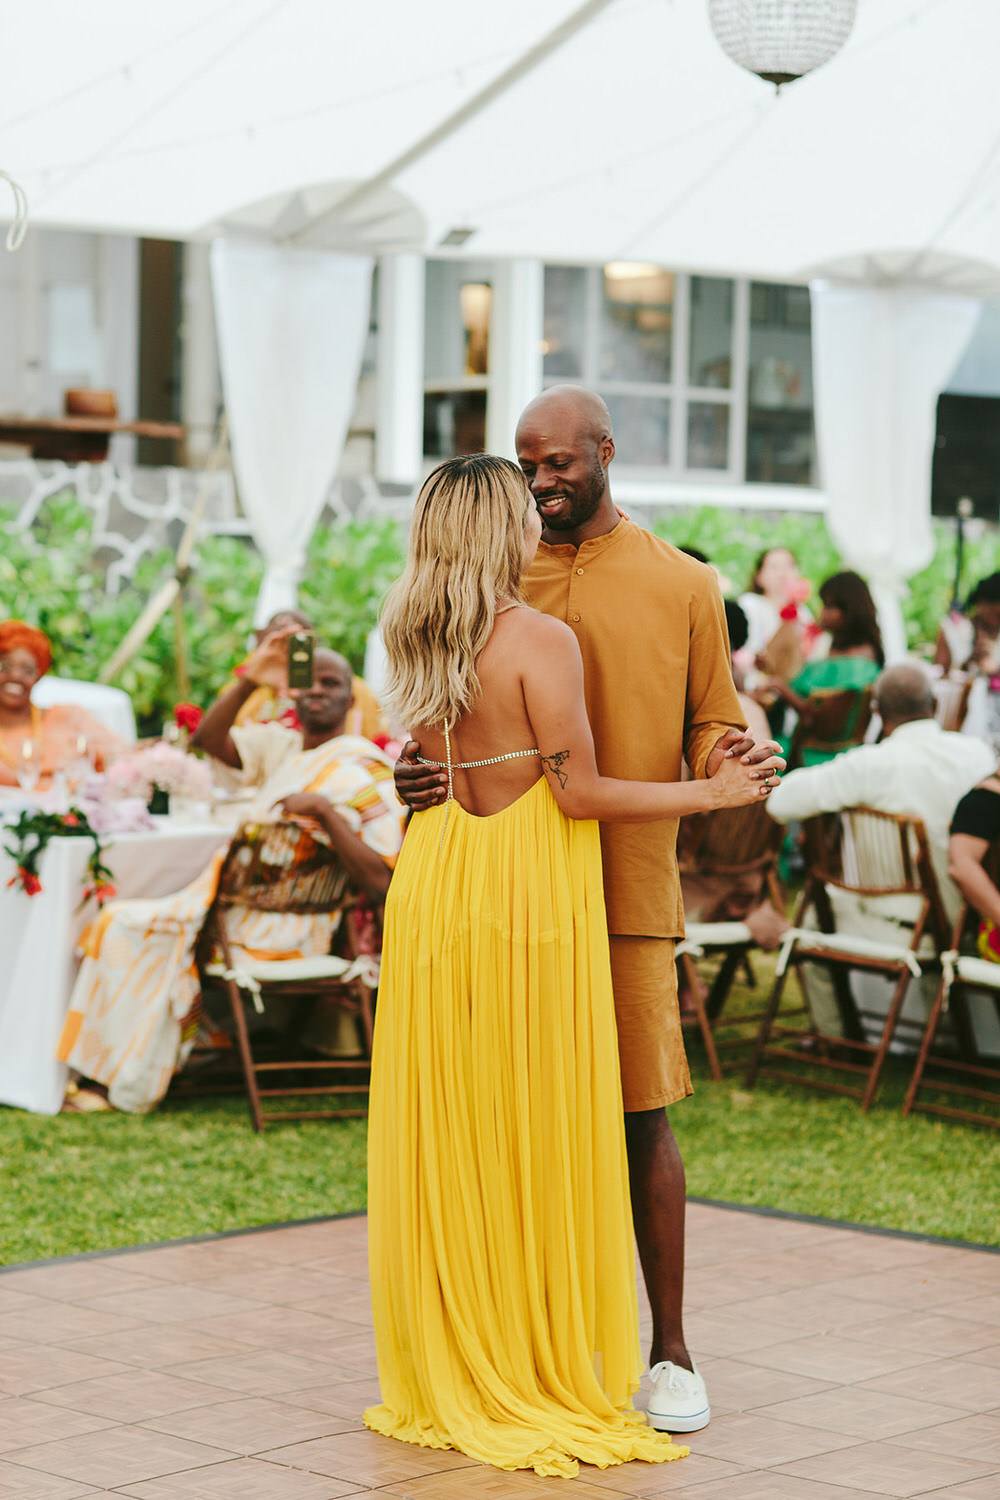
29,838
158,773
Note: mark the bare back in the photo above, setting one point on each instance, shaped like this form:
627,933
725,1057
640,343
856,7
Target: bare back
497,724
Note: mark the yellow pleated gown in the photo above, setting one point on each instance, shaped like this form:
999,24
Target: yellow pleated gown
502,1262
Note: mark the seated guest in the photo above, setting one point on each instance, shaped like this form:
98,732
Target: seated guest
265,706
718,898
917,768
59,735
975,827
736,620
854,660
133,1013
776,589
970,642
967,638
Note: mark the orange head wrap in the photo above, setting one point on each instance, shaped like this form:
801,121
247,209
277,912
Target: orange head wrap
17,635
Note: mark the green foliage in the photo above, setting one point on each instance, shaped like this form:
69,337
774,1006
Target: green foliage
49,577
196,1167
734,540
193,1168
350,568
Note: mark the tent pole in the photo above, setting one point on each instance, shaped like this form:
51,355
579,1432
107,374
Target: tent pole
551,42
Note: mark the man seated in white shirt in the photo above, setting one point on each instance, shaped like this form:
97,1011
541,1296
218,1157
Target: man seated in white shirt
916,768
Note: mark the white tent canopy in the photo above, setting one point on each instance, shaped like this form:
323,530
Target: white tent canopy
574,130
635,138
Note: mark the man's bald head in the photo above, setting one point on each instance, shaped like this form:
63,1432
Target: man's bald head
904,693
569,405
564,446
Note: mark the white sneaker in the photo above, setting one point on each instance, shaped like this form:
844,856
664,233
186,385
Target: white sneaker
678,1400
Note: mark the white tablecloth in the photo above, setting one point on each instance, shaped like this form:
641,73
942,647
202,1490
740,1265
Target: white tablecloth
38,936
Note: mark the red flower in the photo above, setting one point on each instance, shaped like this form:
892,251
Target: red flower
187,716
70,820
381,740
105,892
290,719
789,612
30,883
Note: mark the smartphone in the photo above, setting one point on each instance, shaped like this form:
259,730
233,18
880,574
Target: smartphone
300,660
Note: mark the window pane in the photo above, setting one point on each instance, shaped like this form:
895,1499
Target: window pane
457,319
565,321
641,426
454,422
708,435
637,317
710,355
781,447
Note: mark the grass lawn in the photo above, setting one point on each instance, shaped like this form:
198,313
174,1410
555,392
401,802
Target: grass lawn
73,1182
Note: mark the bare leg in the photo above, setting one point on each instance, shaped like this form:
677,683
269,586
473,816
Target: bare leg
656,1178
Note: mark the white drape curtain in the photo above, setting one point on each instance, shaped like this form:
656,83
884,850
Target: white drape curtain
881,357
292,327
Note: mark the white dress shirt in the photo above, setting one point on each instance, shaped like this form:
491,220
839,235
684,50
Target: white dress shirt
921,770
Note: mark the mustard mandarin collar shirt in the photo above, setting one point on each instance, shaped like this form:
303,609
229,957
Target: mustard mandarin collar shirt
659,689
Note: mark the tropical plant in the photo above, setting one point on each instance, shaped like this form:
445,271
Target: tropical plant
51,577
734,539
350,568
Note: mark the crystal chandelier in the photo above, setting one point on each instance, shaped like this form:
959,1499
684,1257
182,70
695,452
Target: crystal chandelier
781,39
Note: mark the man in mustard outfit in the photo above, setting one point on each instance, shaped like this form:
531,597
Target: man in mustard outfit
659,690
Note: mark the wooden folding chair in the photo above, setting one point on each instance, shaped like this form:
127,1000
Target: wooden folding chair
283,867
864,853
950,1021
838,721
730,844
951,699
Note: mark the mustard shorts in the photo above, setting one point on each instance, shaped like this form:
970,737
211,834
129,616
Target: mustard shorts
654,1064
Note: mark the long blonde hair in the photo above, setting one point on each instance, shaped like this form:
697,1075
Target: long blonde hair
466,553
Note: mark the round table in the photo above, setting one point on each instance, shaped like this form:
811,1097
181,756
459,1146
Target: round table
38,937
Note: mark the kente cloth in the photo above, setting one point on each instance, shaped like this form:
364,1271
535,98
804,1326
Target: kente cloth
139,982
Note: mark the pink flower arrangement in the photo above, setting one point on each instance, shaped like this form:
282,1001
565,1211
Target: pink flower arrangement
160,767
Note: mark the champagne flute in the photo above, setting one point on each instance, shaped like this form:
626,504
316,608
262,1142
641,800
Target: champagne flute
79,767
29,768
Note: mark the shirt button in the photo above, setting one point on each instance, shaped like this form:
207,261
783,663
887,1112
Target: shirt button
576,617
580,571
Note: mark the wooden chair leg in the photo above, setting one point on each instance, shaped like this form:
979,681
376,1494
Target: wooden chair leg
748,972
246,1056
723,983
930,1031
366,1018
693,981
764,1034
888,1030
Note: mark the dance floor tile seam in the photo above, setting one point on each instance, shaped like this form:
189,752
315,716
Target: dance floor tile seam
238,1369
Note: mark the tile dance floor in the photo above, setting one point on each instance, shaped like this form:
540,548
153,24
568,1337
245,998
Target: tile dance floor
840,1364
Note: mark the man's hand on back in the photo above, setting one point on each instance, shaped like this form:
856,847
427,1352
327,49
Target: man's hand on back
419,787
738,743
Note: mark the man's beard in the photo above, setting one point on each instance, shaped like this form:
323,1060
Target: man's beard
582,506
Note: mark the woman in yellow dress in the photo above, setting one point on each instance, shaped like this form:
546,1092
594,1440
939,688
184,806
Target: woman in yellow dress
502,1260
